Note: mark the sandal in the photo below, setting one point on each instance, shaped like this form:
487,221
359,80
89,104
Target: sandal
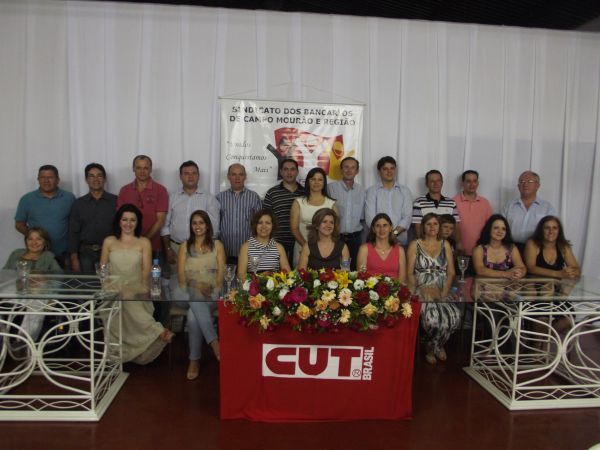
430,358
193,370
166,336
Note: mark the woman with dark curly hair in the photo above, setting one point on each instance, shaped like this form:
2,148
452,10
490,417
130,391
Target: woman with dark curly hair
548,253
496,255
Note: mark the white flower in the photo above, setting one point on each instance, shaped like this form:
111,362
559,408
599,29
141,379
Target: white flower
359,284
316,283
246,285
332,284
276,311
374,296
282,293
387,279
270,284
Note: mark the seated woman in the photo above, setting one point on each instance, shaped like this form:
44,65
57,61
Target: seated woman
381,254
261,250
40,259
304,208
129,255
201,269
324,249
548,253
430,273
496,256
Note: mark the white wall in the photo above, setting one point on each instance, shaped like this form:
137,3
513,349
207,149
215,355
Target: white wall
82,82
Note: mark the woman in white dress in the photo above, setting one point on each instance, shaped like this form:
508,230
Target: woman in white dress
303,208
129,255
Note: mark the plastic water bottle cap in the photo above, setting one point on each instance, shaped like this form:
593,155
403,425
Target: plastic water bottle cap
155,261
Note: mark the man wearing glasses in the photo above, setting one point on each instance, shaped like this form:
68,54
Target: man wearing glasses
524,213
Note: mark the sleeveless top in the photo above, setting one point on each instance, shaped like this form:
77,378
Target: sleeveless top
507,264
388,266
268,255
431,270
333,261
559,264
201,267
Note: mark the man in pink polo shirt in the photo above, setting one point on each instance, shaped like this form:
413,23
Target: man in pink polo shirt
150,197
473,209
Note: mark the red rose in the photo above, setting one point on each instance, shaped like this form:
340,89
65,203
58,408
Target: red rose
299,295
323,321
305,275
254,288
327,276
383,289
364,275
287,300
404,293
362,298
266,305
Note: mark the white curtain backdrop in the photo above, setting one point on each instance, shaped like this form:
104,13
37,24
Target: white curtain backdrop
83,82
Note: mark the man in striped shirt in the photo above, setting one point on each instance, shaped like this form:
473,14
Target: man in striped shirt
435,202
279,199
238,204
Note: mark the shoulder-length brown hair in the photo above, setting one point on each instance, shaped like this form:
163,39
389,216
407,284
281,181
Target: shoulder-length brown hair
318,217
371,237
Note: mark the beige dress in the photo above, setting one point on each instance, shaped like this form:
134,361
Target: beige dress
307,211
140,333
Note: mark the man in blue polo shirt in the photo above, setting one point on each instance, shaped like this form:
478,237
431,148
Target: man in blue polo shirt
47,207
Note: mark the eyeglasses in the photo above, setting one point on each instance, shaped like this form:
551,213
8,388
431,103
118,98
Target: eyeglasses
525,182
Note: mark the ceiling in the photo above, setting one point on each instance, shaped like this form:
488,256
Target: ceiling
553,14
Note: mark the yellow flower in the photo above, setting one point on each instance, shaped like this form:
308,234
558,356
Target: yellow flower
392,304
264,322
321,304
369,310
303,311
232,294
371,282
341,276
256,301
344,316
406,310
328,296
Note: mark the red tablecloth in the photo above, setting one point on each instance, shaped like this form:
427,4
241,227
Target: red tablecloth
286,376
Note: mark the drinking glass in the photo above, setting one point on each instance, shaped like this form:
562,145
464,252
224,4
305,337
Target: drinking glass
463,263
103,271
229,275
23,269
345,265
254,262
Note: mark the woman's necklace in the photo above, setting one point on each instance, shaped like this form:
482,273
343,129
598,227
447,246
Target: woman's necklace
383,251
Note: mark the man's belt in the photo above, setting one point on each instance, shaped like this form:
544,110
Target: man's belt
174,241
91,247
351,235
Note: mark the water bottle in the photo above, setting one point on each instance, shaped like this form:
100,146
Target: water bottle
155,272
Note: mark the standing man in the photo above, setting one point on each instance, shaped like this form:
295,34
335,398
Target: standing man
47,207
473,210
435,202
524,213
238,204
391,198
182,203
279,199
91,220
350,199
150,197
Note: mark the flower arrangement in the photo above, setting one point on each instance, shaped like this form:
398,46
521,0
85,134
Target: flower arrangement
319,301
